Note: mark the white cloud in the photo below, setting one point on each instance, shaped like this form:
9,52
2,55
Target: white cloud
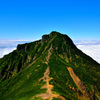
4,51
91,48
9,43
7,46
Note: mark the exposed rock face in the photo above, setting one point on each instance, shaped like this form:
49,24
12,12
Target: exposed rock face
52,33
45,38
19,47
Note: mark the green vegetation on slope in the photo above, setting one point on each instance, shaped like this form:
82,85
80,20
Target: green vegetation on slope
21,70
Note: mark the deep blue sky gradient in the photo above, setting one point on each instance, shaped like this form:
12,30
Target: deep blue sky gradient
30,19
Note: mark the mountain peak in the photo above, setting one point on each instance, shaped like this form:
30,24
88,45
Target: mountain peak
51,68
47,37
53,33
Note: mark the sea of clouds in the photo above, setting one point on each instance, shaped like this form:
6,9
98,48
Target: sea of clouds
7,46
91,48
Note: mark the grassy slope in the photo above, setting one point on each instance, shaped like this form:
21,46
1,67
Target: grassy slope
25,84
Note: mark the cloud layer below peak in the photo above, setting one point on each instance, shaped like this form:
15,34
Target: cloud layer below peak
7,46
91,48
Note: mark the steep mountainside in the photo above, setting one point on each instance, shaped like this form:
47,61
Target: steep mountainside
52,68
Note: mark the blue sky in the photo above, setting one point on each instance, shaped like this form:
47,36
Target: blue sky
30,19
27,20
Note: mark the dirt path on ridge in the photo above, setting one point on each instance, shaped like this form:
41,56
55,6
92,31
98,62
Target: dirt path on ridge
49,94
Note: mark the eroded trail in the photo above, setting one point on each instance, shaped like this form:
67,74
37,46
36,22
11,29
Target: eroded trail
49,94
79,84
49,87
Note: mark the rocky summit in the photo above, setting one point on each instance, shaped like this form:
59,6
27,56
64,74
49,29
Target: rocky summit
52,68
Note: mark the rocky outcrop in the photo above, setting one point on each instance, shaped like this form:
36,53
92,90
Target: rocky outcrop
45,38
52,33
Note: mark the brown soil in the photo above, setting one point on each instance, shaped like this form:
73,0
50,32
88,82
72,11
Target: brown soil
31,64
49,94
49,54
79,84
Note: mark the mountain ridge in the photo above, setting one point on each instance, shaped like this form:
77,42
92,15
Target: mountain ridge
21,70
